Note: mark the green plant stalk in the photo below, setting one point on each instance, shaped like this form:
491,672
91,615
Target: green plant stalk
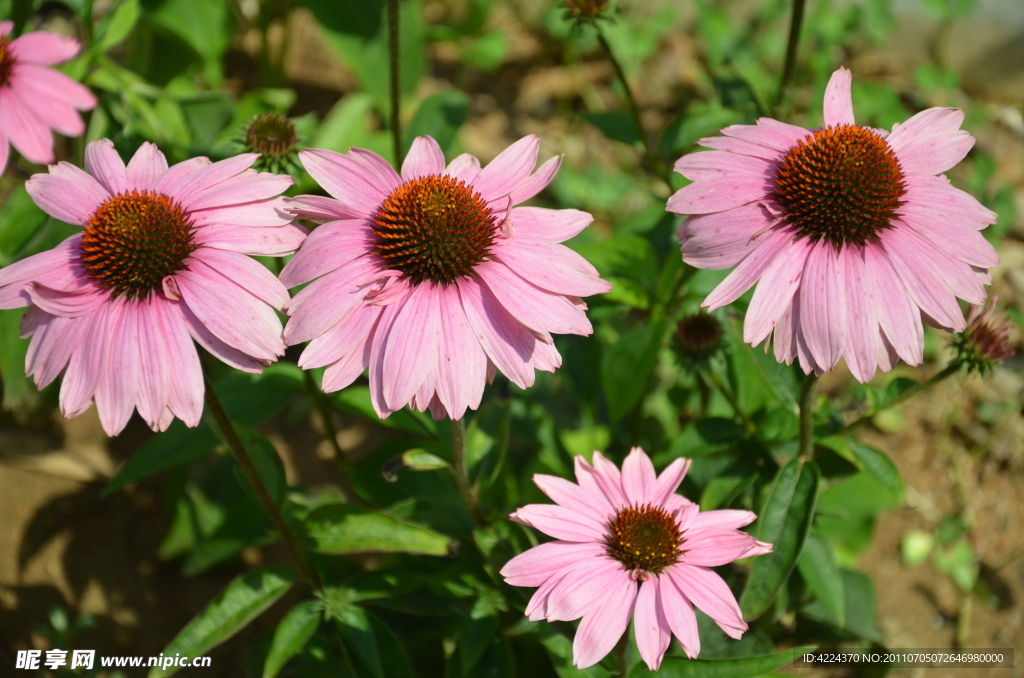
748,426
796,21
653,159
947,372
394,52
807,396
253,476
87,32
461,474
620,655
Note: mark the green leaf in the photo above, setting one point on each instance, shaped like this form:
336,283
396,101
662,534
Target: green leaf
178,445
20,219
701,120
116,26
205,26
626,367
268,465
345,124
881,469
238,604
439,116
291,636
784,523
13,382
859,595
820,570
616,125
748,667
353,529
356,630
356,399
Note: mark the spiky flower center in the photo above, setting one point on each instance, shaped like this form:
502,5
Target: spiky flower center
6,60
646,539
136,239
271,134
434,228
699,334
840,183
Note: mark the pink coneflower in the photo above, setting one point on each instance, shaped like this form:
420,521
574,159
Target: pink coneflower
435,279
162,256
628,546
35,99
853,233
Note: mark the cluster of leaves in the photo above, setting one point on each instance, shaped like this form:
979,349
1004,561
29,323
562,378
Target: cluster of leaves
410,583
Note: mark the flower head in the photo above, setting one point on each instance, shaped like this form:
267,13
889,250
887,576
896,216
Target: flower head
273,136
586,11
35,99
986,341
627,546
434,278
852,234
161,260
700,336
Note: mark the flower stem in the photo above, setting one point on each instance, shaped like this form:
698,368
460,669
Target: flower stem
796,20
253,476
395,57
807,396
748,426
461,475
949,370
620,655
323,409
652,158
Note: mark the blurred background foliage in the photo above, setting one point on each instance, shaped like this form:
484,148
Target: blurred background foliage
475,74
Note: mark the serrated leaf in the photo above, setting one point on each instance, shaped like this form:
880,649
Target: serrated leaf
238,604
820,570
748,667
291,636
353,529
785,522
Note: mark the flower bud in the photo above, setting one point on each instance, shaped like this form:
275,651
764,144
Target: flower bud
700,335
273,136
986,341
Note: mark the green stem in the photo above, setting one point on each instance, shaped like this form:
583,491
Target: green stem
807,396
395,57
652,158
620,655
87,23
253,476
949,370
461,474
748,426
795,22
323,409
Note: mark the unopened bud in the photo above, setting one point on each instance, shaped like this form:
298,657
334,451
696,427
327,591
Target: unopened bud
273,136
986,341
700,335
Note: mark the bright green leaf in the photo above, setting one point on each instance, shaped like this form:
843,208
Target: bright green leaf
784,523
231,611
116,26
356,630
291,636
820,570
353,529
